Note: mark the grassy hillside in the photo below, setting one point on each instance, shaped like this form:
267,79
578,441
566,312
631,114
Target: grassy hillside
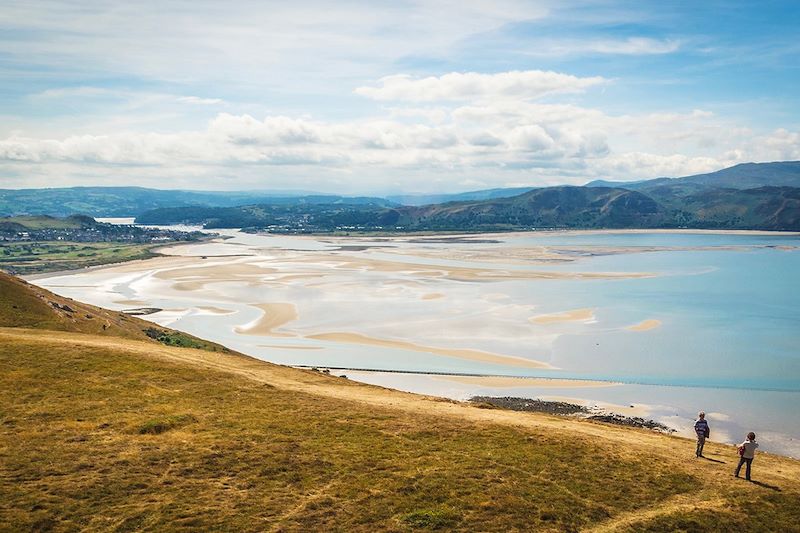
28,306
34,257
106,433
559,207
30,222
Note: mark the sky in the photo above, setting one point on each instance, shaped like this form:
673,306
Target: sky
391,97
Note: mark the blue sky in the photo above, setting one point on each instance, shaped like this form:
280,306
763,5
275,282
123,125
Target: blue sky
368,97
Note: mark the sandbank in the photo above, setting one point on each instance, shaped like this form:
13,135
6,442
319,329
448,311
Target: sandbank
432,296
215,310
645,325
457,273
130,302
290,347
275,315
462,353
514,382
576,315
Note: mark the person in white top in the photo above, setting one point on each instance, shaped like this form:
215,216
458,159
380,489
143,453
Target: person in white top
747,451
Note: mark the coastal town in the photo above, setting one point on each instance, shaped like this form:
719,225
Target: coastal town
85,229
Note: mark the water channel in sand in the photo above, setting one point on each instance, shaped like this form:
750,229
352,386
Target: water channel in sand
676,322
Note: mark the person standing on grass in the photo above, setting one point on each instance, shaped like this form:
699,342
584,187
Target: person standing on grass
747,451
702,431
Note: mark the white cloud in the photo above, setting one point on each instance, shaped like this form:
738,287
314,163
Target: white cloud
499,136
539,144
133,98
196,100
523,85
632,46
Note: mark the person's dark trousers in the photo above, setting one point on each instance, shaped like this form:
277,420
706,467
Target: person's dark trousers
743,460
701,441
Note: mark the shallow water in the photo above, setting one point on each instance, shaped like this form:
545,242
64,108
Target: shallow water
722,310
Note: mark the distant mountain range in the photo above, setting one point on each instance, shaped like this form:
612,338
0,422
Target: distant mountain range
747,196
743,176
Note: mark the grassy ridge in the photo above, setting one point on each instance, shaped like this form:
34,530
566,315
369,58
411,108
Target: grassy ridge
80,452
29,306
106,433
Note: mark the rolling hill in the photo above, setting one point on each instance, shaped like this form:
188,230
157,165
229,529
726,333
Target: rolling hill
665,206
131,201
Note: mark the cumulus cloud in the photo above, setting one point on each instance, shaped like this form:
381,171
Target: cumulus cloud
552,143
523,85
492,132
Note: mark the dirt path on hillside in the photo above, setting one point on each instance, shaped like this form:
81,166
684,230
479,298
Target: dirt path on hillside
773,471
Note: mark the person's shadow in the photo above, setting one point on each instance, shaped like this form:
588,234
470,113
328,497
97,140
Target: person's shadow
765,485
713,460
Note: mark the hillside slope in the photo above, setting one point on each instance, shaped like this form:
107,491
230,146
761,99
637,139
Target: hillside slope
28,306
105,433
560,207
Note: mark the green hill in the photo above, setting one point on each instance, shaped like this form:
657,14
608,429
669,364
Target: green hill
131,201
671,205
551,207
109,430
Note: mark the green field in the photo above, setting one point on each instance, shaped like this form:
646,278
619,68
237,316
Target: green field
35,257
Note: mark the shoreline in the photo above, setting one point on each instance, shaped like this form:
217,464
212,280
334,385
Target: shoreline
490,234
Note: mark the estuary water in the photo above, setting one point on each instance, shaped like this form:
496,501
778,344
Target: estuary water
667,322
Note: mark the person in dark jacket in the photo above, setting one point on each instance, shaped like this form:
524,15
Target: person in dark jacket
702,431
747,451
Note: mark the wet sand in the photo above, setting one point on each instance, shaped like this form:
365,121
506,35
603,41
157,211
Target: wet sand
512,382
215,310
457,273
275,315
290,347
576,315
471,355
645,325
432,296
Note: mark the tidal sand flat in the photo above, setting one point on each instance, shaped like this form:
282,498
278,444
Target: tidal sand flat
576,315
519,382
274,316
710,312
645,325
461,353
